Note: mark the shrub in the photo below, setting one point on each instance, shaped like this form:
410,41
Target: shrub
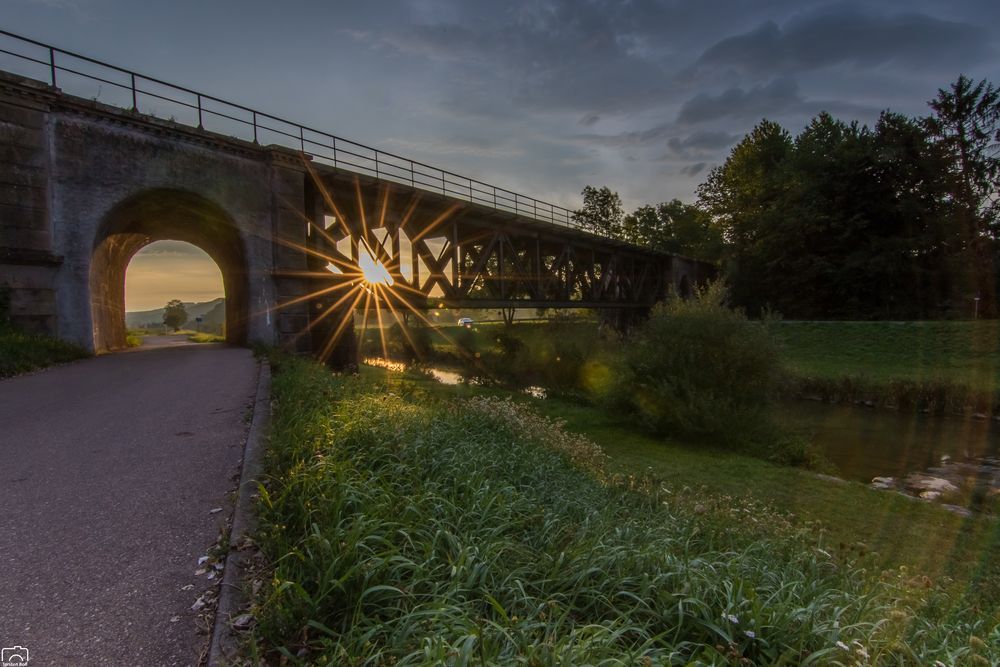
698,368
21,352
411,342
465,340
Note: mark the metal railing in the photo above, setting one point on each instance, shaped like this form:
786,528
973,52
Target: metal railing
143,94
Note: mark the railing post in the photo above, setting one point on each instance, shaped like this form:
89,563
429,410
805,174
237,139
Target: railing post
413,176
334,151
135,106
302,140
52,65
254,126
201,125
444,190
494,196
376,164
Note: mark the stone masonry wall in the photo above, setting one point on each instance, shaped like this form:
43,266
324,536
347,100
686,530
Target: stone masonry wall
27,265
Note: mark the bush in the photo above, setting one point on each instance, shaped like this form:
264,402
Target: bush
697,368
465,341
413,343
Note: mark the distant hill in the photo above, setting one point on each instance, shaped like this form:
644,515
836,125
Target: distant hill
212,313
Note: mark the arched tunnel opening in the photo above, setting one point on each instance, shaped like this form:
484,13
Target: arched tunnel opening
165,272
161,215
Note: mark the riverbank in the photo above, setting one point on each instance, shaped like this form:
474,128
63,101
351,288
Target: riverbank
947,368
943,368
471,547
897,530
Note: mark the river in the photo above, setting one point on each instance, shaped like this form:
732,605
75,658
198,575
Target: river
865,443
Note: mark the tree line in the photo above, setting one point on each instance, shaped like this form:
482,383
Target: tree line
844,221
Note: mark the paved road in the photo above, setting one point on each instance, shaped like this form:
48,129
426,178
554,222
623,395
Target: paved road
167,340
109,470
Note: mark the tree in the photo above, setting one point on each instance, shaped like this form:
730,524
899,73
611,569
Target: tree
674,227
745,197
602,212
174,314
966,122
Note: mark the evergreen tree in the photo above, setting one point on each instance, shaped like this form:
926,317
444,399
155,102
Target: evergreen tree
966,122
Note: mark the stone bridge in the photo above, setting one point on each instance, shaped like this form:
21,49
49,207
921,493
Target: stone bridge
297,222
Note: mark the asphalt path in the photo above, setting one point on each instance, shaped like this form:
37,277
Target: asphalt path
110,469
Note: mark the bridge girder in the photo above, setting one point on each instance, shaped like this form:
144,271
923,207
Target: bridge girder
446,253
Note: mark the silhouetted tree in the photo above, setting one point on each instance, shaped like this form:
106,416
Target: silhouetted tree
745,197
966,122
674,227
174,314
602,212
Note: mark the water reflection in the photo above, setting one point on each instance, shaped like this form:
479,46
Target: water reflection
865,443
444,376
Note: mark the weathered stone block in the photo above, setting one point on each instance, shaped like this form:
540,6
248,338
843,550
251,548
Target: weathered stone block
290,287
289,259
17,114
27,196
20,155
14,216
292,323
31,302
20,174
16,135
18,237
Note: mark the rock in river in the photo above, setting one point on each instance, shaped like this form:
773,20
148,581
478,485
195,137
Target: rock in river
884,483
920,483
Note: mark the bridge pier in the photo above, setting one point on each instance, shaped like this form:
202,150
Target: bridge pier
623,320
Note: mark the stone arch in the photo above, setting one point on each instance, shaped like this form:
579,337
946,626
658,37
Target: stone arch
684,290
163,215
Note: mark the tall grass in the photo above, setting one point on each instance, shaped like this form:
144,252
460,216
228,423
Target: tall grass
404,530
21,352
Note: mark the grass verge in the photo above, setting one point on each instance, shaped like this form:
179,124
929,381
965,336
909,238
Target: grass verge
203,337
405,526
22,353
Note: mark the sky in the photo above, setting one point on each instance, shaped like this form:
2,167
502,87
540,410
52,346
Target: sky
167,270
543,97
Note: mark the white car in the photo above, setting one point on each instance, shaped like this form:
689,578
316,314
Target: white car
465,322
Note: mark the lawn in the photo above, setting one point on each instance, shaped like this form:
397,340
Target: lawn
966,353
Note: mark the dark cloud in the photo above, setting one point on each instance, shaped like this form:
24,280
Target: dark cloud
626,139
742,104
545,97
693,170
702,140
848,35
561,55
